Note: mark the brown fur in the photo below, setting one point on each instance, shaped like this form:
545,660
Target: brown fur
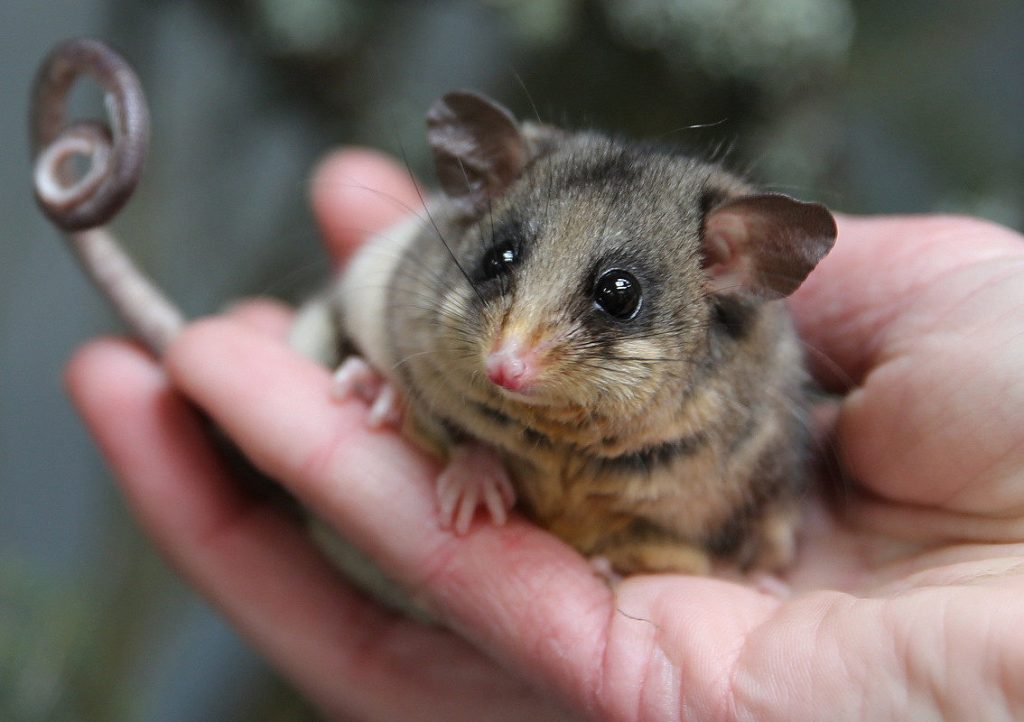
656,442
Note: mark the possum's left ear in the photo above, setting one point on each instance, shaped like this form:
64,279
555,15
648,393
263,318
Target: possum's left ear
765,244
479,149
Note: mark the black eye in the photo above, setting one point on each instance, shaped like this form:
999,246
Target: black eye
617,292
498,260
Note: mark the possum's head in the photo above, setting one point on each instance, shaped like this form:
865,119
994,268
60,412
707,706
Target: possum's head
590,273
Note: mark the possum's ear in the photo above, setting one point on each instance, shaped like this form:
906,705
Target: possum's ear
479,149
765,244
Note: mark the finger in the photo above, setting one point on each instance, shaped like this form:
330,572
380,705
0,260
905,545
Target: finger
357,192
940,418
851,306
258,566
515,591
922,314
263,314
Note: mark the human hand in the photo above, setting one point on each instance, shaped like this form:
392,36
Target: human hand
906,602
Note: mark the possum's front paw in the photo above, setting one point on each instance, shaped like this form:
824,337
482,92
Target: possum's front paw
474,475
357,378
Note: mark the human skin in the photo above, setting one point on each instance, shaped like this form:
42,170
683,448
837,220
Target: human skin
907,596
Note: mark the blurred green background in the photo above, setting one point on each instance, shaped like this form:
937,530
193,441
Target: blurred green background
869,106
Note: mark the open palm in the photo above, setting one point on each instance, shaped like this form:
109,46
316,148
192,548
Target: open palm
907,597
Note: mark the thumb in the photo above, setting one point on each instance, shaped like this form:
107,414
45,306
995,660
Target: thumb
356,192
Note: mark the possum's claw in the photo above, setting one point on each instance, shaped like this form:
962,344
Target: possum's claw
356,378
602,567
770,585
386,409
474,476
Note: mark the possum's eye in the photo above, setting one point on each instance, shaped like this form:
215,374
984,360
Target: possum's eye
498,261
617,293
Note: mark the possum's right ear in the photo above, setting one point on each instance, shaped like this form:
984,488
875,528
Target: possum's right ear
479,148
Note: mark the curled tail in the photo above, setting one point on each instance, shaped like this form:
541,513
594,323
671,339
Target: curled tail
81,203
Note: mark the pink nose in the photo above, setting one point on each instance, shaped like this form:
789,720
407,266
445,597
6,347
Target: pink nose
510,366
506,372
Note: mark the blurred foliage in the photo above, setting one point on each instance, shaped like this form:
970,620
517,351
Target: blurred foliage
800,92
868,105
43,640
640,66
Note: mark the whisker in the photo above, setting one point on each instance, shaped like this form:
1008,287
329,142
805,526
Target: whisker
399,203
437,230
529,98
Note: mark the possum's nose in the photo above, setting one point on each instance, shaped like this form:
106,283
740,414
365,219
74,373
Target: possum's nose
511,364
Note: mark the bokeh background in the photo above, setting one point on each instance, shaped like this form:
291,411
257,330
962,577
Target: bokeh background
868,105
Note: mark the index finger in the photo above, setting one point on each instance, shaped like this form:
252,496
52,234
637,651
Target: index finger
848,307
373,486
